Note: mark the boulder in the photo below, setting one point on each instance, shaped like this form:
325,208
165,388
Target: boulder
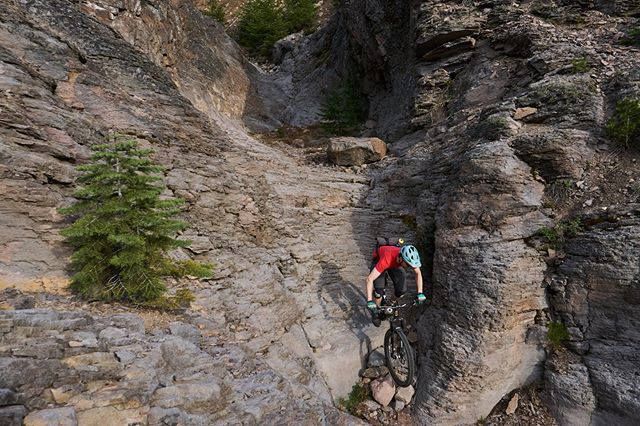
383,390
376,358
186,331
196,397
93,361
83,339
12,415
62,395
7,397
524,112
405,394
125,356
64,416
111,415
348,151
375,372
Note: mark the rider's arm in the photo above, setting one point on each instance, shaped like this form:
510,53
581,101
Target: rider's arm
370,278
418,279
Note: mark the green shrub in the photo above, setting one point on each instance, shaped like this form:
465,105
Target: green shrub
624,127
557,235
580,65
123,230
358,394
572,227
263,22
216,11
550,235
300,15
344,109
575,93
492,128
632,38
556,334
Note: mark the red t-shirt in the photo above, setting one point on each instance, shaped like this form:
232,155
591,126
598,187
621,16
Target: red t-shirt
387,258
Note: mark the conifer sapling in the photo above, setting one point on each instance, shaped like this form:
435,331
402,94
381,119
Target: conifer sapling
123,229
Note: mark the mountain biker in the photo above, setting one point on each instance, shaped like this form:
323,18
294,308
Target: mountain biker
393,260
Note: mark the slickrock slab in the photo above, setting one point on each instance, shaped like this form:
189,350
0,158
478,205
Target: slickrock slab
64,416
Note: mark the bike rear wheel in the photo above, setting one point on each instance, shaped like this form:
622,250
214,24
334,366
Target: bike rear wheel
399,357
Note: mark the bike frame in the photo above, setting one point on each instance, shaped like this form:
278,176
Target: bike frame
396,328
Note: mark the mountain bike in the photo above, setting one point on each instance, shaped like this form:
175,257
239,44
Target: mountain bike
398,352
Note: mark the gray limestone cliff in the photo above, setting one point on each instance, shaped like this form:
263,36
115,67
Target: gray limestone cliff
509,139
494,113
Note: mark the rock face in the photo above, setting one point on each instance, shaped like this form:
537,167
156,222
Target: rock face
67,81
166,379
205,65
502,123
595,292
496,131
53,416
355,151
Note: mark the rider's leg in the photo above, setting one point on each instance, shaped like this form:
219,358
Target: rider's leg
378,290
398,276
378,294
378,284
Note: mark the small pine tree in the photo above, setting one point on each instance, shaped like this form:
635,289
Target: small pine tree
344,109
300,15
216,11
123,229
261,24
624,127
557,333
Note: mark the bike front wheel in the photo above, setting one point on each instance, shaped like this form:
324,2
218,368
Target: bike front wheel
399,357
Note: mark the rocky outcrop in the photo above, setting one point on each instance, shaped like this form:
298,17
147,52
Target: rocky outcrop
262,218
207,67
346,151
110,368
502,124
495,131
595,293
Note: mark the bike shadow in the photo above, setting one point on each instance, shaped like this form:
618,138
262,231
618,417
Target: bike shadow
340,299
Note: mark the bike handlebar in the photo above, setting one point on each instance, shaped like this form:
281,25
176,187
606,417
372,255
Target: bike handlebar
389,309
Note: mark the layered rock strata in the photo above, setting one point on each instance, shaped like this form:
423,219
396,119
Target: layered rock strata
497,130
505,117
265,220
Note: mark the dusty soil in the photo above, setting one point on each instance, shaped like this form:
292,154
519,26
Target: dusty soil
520,408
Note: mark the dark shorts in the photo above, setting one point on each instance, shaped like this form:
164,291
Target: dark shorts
397,276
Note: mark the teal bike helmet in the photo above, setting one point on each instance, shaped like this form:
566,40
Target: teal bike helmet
410,255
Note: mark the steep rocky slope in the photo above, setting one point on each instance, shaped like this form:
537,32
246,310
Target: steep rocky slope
497,132
265,220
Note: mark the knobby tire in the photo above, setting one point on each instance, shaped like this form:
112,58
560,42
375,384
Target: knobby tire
397,347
